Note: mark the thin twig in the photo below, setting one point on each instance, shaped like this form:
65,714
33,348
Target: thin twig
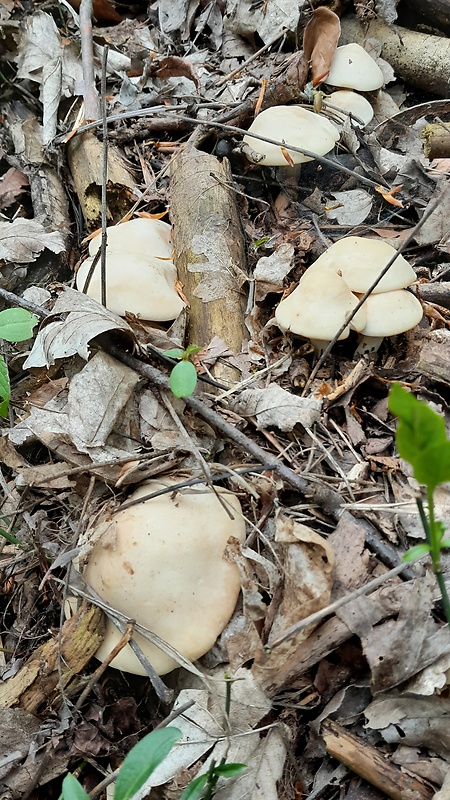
104,242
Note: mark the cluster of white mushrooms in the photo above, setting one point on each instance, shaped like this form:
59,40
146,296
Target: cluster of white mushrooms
140,273
333,285
353,68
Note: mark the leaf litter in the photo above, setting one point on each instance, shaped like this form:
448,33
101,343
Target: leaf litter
84,426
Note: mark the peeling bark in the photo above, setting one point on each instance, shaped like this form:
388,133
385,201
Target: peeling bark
209,251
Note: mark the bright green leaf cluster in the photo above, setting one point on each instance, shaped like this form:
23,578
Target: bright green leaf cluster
421,437
16,325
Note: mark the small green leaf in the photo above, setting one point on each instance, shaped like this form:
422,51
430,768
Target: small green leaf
5,389
230,770
72,789
421,437
142,760
191,349
183,379
10,537
445,544
416,552
175,353
16,324
195,788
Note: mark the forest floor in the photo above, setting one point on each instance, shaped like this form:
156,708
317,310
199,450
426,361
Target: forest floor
331,671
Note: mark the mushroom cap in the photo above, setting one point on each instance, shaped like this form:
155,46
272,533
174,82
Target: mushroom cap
361,260
391,313
295,125
161,563
319,305
140,276
353,68
352,103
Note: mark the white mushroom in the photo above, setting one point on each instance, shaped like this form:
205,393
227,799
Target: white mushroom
161,563
293,125
353,68
359,261
352,103
388,314
318,307
140,275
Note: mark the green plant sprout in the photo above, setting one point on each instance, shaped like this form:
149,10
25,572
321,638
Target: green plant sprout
16,325
183,378
143,759
422,441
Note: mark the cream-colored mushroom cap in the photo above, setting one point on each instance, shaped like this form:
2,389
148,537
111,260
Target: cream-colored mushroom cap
296,126
140,275
361,260
319,306
353,68
352,103
161,563
390,313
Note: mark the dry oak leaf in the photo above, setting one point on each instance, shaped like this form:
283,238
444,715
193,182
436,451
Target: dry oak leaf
24,240
320,41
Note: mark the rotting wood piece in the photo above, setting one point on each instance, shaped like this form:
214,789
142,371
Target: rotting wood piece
209,251
84,154
436,140
36,685
372,765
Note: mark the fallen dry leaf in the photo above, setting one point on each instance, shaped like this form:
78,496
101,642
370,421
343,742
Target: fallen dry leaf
320,41
24,239
278,407
12,185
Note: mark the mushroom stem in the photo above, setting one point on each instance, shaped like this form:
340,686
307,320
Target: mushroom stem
368,344
319,346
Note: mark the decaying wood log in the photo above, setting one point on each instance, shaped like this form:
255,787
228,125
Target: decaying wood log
84,154
438,292
417,58
435,12
37,683
372,765
209,251
436,140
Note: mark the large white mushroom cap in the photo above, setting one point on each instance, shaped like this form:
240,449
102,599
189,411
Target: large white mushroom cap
161,563
361,260
296,126
390,313
353,68
140,275
319,306
352,103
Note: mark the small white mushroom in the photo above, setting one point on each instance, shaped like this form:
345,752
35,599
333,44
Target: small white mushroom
294,125
351,103
318,307
359,261
353,68
140,275
161,563
388,314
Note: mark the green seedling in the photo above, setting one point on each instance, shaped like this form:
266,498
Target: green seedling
422,441
203,787
143,759
16,325
183,378
139,764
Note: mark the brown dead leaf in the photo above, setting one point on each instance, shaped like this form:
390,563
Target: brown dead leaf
24,239
174,67
12,185
320,41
